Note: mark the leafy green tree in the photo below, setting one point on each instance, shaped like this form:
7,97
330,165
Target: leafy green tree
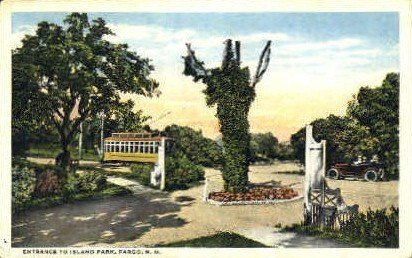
72,72
120,118
232,91
264,145
199,149
369,128
323,129
284,151
378,110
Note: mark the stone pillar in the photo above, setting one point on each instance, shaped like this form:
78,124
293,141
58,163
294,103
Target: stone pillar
315,164
161,163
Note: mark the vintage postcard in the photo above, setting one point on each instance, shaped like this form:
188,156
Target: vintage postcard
206,128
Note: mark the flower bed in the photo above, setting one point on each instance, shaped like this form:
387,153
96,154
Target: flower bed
255,195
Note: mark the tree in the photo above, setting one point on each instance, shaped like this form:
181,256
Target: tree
323,129
120,118
198,149
369,128
71,72
264,145
378,110
231,89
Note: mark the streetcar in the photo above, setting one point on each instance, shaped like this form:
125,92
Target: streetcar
135,147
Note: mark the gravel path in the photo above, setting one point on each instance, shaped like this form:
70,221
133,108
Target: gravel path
151,217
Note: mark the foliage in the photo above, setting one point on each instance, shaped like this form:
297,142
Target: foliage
379,228
73,69
221,239
49,201
285,151
23,185
91,181
378,110
69,188
199,149
141,172
181,172
119,118
369,128
263,146
231,90
323,129
375,228
47,183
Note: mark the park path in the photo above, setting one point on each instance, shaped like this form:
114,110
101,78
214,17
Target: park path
132,185
150,217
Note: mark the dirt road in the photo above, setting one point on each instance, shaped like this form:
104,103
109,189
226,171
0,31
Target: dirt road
153,218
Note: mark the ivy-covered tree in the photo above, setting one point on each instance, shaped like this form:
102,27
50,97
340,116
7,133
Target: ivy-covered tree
71,72
232,90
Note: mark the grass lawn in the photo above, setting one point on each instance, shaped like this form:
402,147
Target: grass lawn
222,239
53,151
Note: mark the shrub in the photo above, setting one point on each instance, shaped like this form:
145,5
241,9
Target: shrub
47,183
90,181
69,188
141,172
376,228
23,185
181,172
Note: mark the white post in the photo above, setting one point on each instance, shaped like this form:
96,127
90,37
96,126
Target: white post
205,191
102,136
80,141
315,154
161,163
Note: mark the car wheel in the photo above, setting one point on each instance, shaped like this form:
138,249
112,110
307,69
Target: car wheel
371,176
333,173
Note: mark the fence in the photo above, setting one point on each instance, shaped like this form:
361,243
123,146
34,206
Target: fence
329,216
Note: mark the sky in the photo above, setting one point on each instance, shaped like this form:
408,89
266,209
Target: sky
318,61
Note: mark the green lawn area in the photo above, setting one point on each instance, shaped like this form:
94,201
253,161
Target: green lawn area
222,239
52,151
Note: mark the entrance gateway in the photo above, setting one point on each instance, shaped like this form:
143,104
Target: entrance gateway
140,148
323,206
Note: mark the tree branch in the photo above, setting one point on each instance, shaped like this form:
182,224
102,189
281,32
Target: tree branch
263,60
193,66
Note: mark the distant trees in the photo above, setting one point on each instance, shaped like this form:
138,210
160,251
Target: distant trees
370,127
63,75
197,148
263,146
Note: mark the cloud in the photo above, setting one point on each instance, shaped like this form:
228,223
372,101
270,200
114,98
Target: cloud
306,78
17,36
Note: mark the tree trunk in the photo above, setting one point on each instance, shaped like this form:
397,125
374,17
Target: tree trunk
63,160
236,152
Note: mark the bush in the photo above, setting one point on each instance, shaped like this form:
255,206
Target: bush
141,172
47,183
69,188
376,228
194,145
90,181
23,185
181,172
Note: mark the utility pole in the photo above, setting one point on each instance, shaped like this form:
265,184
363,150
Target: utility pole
80,141
101,136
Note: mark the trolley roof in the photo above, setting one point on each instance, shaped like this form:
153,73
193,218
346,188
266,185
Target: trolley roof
136,137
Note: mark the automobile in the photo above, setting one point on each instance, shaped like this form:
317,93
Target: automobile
370,171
